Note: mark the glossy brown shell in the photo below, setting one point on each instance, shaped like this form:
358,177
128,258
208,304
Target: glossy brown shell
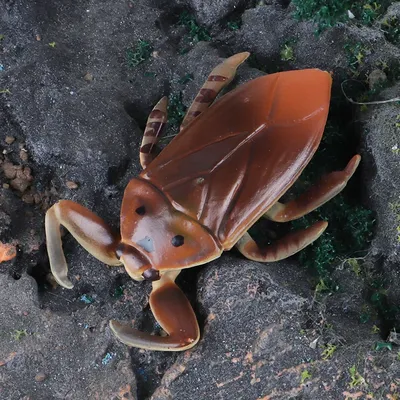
234,161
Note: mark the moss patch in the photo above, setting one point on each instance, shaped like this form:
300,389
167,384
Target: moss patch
138,54
328,13
351,225
195,31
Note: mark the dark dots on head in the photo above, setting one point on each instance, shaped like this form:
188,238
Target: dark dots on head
141,210
177,240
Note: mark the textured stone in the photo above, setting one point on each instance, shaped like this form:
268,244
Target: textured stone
78,110
54,355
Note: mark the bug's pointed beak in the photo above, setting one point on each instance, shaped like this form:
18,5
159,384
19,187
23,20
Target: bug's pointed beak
135,263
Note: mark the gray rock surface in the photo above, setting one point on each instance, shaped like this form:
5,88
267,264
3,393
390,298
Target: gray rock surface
258,344
57,355
209,12
75,104
380,137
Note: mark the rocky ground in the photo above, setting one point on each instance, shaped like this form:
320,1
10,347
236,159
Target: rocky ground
77,81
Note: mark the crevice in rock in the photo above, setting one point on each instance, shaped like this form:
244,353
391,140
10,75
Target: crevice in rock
136,113
116,172
284,3
40,271
375,293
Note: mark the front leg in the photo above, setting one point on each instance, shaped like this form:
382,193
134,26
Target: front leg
87,228
172,311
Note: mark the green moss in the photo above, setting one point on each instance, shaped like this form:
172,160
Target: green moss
375,329
350,231
305,376
355,53
233,25
118,292
351,225
176,110
355,378
328,13
138,54
196,32
391,29
328,352
369,11
287,53
19,334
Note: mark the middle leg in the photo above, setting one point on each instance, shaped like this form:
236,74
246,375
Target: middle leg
327,188
282,248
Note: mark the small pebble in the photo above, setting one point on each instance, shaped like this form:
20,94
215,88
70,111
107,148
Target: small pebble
23,155
40,377
37,198
6,186
28,198
88,77
71,185
10,139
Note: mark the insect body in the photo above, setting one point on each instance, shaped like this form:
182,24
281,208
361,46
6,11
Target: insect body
228,167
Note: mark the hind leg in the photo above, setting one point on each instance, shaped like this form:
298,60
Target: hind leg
282,248
219,78
155,123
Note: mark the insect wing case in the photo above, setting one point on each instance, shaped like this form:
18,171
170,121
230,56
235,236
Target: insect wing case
232,163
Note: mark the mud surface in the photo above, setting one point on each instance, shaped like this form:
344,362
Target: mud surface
77,82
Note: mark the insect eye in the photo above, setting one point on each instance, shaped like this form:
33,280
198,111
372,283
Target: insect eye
177,240
141,210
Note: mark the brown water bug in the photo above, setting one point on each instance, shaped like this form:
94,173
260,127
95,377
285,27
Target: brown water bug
229,165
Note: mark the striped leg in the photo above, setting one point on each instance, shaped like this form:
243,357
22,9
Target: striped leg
220,77
282,248
156,121
327,188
